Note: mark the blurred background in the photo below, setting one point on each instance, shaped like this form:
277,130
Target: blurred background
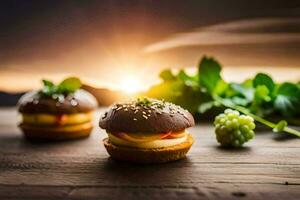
119,47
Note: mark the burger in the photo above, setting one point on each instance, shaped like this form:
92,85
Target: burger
57,112
147,131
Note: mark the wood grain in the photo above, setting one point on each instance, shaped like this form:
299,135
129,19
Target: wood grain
267,168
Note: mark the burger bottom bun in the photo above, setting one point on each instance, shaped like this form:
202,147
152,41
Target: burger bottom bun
56,133
157,155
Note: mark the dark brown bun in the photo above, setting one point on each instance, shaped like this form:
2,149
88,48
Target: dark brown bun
80,101
157,155
152,116
52,133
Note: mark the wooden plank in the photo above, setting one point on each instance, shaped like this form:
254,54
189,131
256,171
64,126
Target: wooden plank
199,192
97,171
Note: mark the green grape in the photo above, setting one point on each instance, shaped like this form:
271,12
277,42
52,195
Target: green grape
233,129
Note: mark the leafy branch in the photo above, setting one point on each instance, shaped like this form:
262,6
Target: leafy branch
210,70
259,97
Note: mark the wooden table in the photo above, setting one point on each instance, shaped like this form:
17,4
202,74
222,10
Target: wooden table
267,168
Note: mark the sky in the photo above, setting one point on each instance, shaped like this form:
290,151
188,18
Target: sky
118,44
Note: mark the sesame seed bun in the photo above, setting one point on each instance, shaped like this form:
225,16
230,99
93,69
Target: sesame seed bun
146,116
156,155
79,102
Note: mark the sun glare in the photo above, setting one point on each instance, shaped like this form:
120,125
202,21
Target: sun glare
130,84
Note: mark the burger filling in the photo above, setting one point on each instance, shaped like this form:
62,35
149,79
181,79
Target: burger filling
148,140
64,119
70,128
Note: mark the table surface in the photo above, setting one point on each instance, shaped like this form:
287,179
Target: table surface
267,168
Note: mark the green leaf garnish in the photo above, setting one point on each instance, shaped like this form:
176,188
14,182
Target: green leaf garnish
48,88
67,86
143,101
48,83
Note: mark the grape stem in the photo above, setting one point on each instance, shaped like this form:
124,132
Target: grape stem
255,117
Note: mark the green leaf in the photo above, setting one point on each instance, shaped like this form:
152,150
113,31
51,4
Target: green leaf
187,79
280,126
221,87
248,83
206,106
287,101
247,92
166,75
183,75
264,79
47,83
69,85
49,87
239,101
176,91
209,73
261,94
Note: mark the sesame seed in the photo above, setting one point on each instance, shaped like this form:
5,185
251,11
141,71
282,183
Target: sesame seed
145,116
134,119
119,108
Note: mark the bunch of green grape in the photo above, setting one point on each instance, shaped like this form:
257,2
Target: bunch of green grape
233,129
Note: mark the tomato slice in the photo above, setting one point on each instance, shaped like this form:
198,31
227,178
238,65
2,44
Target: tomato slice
176,135
165,135
141,137
60,119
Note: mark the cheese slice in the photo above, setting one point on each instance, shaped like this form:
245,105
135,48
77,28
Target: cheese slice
69,128
160,143
64,119
148,137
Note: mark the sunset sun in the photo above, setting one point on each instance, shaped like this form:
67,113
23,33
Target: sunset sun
130,84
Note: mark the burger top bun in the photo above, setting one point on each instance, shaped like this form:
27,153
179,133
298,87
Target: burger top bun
78,102
146,115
